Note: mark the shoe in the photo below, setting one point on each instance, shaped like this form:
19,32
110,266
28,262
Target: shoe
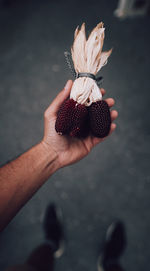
53,229
114,245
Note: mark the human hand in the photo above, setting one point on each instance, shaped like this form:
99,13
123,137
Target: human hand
69,150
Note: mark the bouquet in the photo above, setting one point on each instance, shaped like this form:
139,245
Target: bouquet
85,112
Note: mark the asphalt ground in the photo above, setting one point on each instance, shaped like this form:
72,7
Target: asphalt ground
113,182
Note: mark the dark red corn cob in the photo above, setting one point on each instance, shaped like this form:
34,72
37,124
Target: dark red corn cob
64,117
79,121
72,119
100,119
85,129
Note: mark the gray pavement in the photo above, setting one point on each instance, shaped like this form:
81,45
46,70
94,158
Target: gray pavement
113,182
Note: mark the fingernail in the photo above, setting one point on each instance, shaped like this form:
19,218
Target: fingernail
67,85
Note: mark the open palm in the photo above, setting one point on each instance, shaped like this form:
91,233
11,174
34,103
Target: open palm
68,149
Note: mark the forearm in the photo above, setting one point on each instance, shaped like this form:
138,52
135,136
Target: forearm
21,178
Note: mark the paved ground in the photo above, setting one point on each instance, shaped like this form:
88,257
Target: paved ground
113,182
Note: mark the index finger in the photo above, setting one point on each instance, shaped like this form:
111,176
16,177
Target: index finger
103,91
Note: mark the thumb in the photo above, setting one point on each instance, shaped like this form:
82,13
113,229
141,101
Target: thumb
60,98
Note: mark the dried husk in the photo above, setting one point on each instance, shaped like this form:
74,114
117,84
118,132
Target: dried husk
88,57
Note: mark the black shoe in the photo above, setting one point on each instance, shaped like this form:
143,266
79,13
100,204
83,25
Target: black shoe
54,230
114,245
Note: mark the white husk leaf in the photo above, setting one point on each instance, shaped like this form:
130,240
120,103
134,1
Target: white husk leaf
88,57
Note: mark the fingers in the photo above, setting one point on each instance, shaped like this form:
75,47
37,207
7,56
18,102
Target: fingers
60,98
112,128
97,140
114,115
110,102
103,91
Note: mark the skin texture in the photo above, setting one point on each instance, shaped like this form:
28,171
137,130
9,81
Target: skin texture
21,178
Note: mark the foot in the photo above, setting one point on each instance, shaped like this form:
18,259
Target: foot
54,230
114,245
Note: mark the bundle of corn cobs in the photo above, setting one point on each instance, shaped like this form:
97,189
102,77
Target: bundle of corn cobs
85,112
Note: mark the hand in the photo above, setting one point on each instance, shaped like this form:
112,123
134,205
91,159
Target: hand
69,150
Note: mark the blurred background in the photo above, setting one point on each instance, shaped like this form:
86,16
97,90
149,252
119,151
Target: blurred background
113,182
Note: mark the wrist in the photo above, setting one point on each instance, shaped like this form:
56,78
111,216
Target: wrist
50,155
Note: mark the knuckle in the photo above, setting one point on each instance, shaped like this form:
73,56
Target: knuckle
46,114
